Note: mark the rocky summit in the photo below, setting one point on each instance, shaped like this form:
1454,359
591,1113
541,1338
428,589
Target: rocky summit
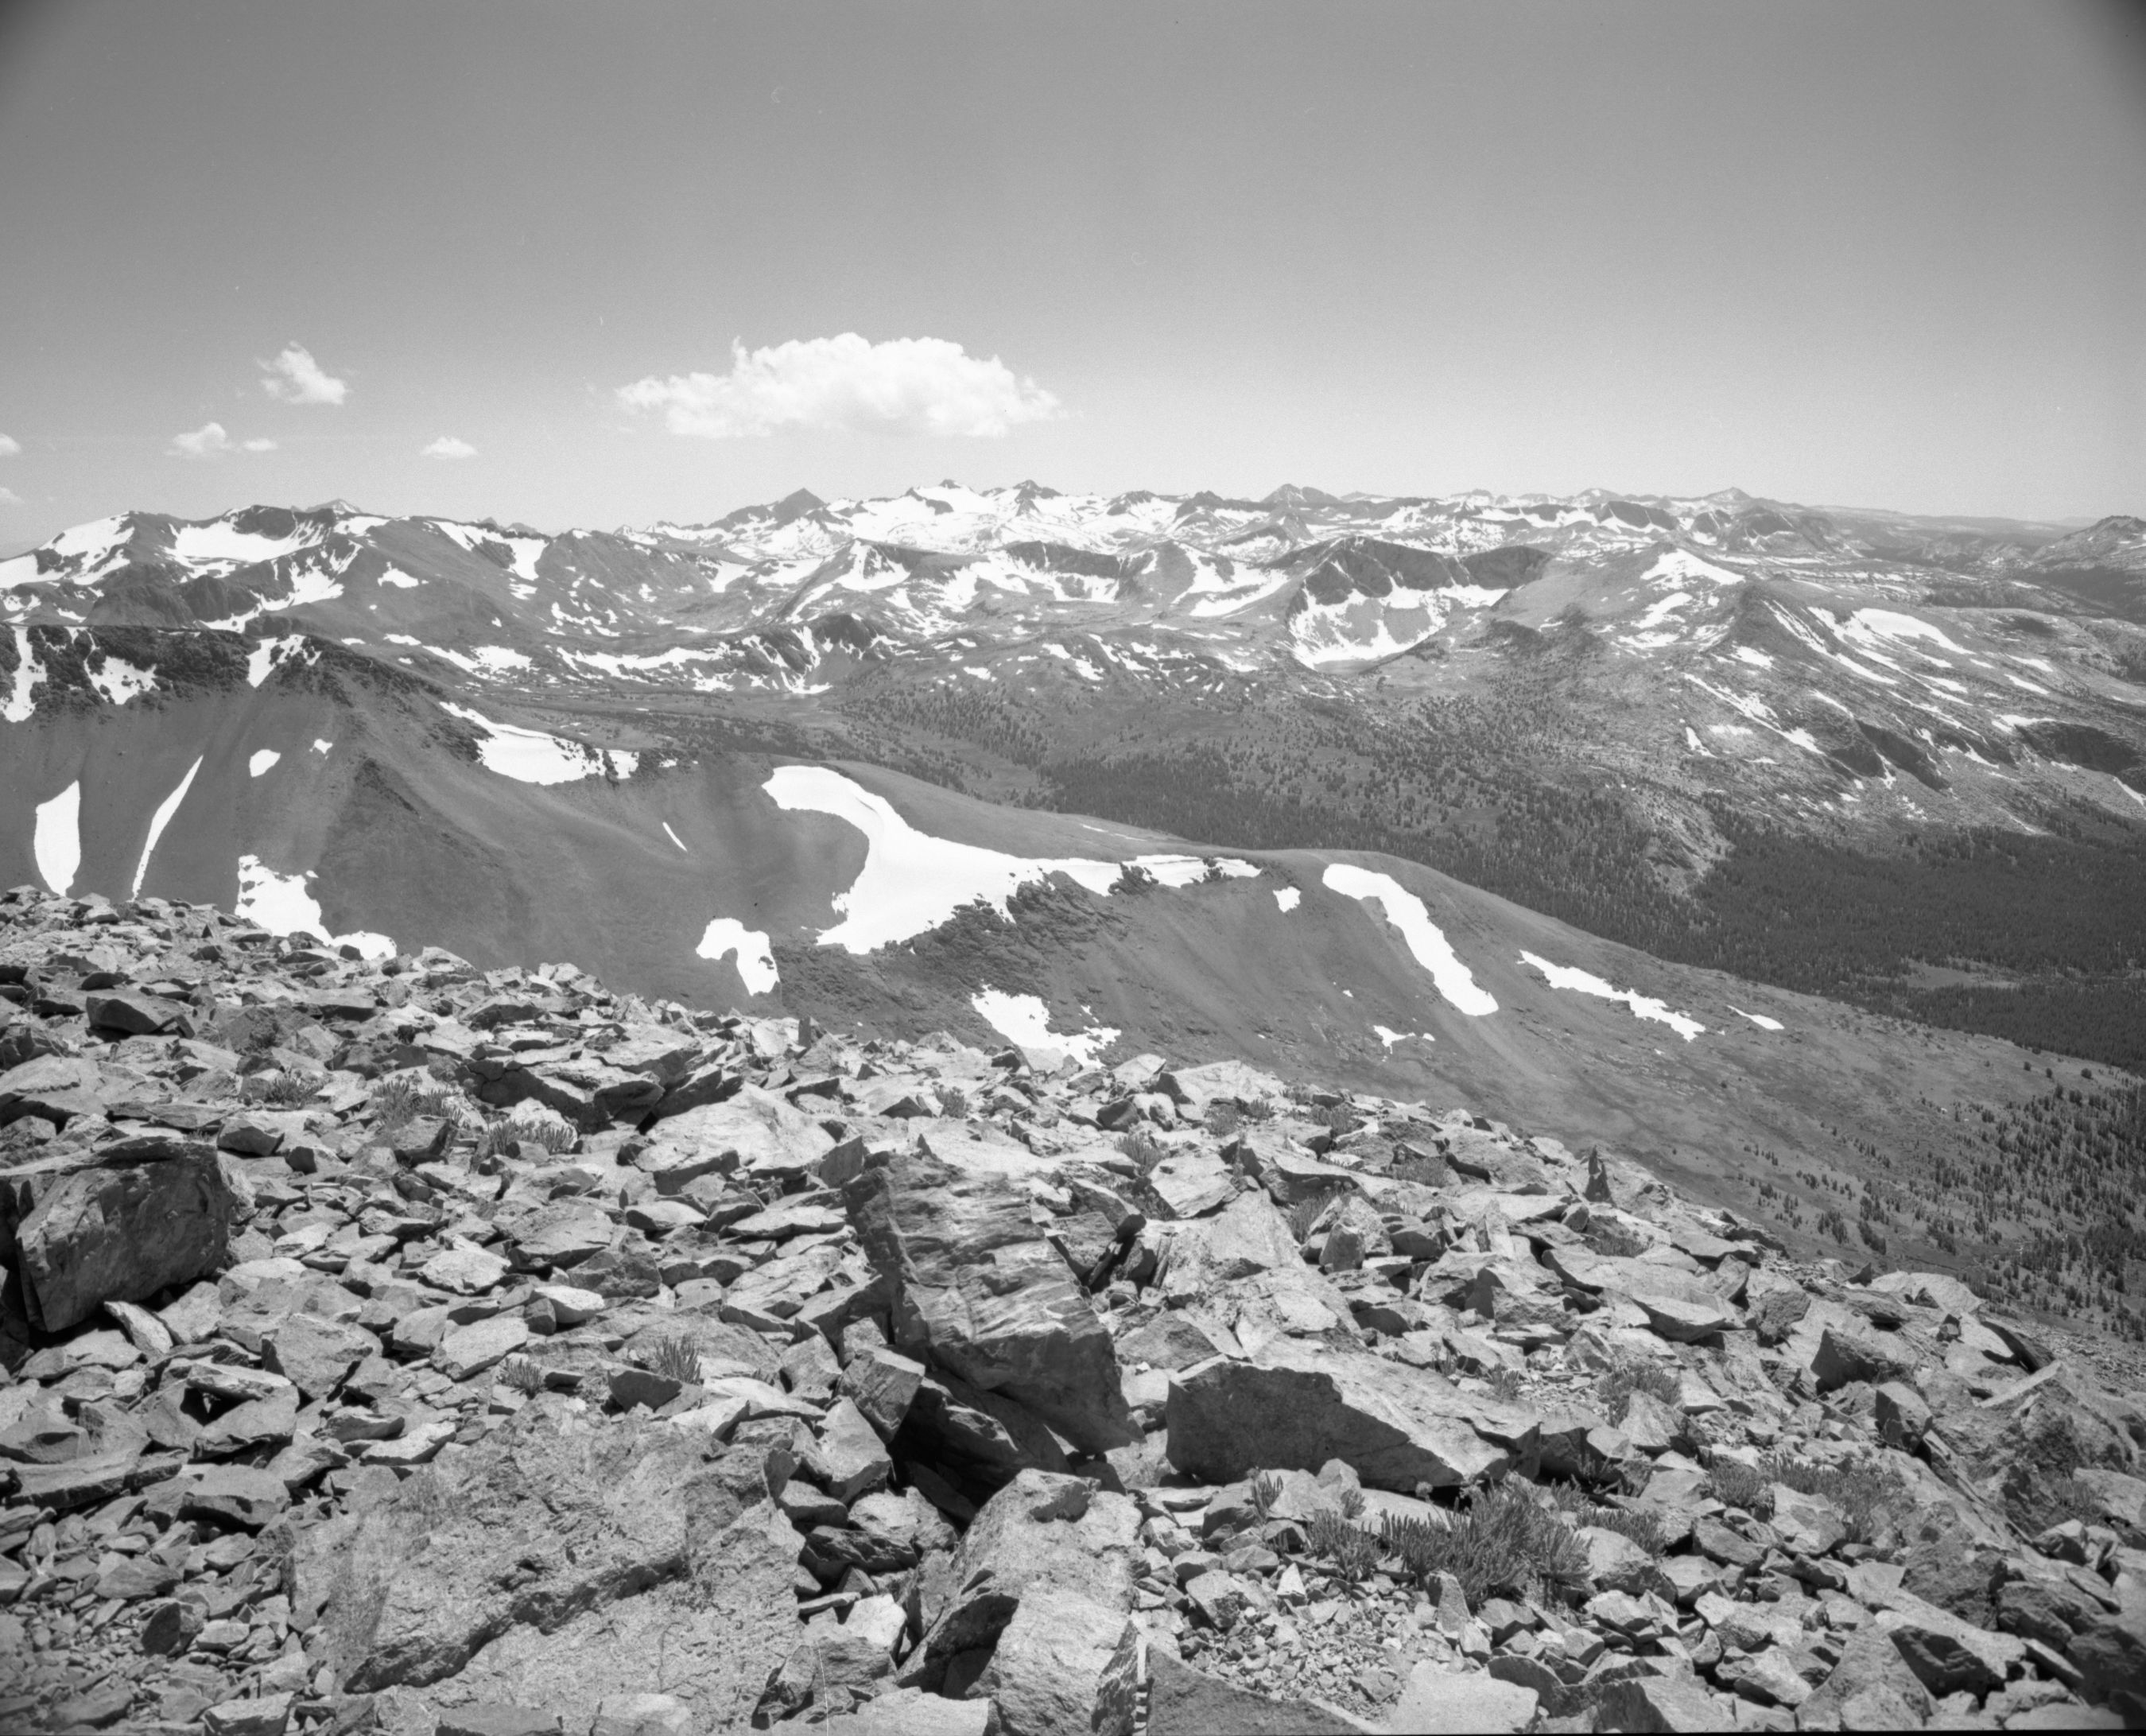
393,1345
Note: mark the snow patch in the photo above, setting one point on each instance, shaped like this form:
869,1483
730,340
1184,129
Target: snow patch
674,837
1645,1006
281,904
119,681
1679,565
1024,1020
1288,897
58,846
220,541
158,822
1425,940
263,758
29,673
399,580
532,756
1757,1019
913,882
1388,1038
726,935
1752,655
269,655
321,747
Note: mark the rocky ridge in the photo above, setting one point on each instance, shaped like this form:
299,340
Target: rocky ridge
392,1344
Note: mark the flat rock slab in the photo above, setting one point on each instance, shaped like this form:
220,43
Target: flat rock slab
1435,1701
1298,1405
1182,1702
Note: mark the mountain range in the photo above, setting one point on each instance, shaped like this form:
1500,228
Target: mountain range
1766,842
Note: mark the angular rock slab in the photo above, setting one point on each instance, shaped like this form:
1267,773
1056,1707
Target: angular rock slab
1065,1666
1042,1531
1183,1702
1436,1700
1296,1406
534,1546
978,1291
121,1230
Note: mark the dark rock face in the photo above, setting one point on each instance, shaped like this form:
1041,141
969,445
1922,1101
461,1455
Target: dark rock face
152,1214
983,1294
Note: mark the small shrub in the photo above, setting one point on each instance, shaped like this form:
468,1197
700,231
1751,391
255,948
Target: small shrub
1734,1483
1630,1374
1504,1384
1507,1542
1143,1148
1349,1549
553,1136
284,1090
954,1101
1642,1526
401,1101
1337,1118
1223,1118
1264,1491
1867,1495
1352,1504
675,1359
523,1375
1255,1108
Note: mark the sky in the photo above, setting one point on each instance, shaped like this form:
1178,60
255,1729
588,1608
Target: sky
568,263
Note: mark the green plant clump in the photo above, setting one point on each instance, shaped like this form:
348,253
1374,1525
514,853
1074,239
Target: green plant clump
1630,1374
1505,1544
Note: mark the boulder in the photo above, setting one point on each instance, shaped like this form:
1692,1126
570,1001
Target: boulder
753,1130
1064,1666
1193,1183
153,1212
1298,1406
1242,1268
316,1355
1042,1530
1845,1356
979,1291
1662,1702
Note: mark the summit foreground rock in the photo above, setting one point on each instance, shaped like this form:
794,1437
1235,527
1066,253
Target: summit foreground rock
393,1345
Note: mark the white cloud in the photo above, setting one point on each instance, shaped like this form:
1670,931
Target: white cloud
905,385
209,441
447,446
295,378
9,448
8,497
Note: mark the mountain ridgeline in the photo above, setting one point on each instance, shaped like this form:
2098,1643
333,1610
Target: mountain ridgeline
1679,822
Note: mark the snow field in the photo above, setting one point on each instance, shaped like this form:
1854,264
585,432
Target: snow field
1023,1020
1644,1006
1426,941
726,935
281,904
158,822
913,882
57,842
532,756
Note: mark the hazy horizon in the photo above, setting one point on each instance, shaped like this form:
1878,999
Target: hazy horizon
535,263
